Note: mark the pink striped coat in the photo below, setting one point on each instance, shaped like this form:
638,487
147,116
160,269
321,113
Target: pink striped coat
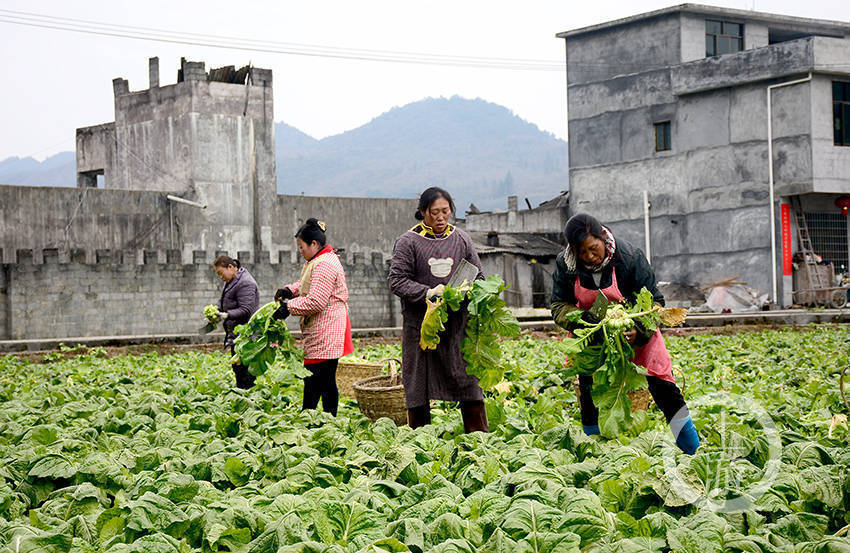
323,310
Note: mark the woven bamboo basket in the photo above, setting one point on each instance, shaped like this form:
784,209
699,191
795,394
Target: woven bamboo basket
349,372
382,396
641,399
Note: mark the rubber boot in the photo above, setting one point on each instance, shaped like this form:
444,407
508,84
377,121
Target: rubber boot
685,433
474,416
419,416
590,429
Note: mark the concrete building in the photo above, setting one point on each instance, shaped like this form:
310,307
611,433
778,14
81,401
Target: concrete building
716,114
208,137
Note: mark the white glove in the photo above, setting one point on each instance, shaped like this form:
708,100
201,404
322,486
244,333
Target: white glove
222,315
435,291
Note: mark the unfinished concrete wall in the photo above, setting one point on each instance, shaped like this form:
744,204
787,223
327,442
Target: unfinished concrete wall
623,50
360,225
87,219
548,221
831,167
96,154
66,219
147,293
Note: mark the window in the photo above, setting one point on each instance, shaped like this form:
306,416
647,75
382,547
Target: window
723,37
662,136
829,237
841,112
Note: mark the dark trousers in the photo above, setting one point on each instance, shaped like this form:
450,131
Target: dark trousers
473,413
321,385
244,379
666,395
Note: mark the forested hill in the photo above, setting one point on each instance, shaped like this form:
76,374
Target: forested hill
477,150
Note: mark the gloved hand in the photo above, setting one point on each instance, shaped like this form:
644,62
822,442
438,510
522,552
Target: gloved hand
435,291
281,312
643,335
596,338
222,315
589,317
283,294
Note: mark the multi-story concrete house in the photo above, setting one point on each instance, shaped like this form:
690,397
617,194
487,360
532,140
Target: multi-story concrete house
728,122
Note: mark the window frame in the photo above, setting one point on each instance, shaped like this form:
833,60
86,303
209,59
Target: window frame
841,113
722,35
666,128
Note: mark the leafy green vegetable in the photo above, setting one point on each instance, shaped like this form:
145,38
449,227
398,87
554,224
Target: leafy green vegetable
601,349
488,320
211,313
262,339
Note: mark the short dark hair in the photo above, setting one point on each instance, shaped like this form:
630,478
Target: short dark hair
580,227
226,261
430,196
312,229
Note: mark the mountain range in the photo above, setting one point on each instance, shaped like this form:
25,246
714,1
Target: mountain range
479,151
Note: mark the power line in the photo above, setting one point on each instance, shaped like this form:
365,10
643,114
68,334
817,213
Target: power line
234,43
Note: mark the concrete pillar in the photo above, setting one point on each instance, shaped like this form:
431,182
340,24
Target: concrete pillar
194,71
512,213
153,72
120,87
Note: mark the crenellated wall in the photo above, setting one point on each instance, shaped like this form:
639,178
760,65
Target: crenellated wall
56,294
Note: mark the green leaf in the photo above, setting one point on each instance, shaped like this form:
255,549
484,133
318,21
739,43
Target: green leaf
409,531
636,545
348,524
585,516
237,471
801,527
152,512
52,467
450,526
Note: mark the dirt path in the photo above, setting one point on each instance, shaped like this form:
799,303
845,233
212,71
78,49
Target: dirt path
167,349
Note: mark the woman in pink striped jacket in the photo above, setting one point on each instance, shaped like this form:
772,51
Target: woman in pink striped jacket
320,298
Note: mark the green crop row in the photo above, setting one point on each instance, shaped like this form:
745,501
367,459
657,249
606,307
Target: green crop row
160,453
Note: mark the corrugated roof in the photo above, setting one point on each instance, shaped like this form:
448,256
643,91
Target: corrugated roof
520,243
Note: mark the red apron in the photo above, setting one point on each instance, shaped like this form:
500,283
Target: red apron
653,356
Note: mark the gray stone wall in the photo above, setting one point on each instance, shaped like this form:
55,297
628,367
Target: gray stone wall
141,293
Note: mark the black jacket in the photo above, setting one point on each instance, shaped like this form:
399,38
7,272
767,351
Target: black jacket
633,273
240,299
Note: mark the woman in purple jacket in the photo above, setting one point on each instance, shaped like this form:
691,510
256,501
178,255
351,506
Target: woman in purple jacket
423,260
239,300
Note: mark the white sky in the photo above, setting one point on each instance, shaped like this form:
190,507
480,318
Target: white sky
55,81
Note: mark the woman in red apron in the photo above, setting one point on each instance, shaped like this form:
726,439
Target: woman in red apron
592,262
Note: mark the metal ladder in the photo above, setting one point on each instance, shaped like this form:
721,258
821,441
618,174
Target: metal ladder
805,241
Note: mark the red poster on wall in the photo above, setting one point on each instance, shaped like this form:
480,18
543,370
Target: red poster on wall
785,211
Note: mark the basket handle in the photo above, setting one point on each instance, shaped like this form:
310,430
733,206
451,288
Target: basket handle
394,374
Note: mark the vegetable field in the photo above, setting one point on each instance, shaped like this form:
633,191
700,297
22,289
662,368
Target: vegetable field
159,453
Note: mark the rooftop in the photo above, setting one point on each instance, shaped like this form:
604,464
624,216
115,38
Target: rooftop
839,28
